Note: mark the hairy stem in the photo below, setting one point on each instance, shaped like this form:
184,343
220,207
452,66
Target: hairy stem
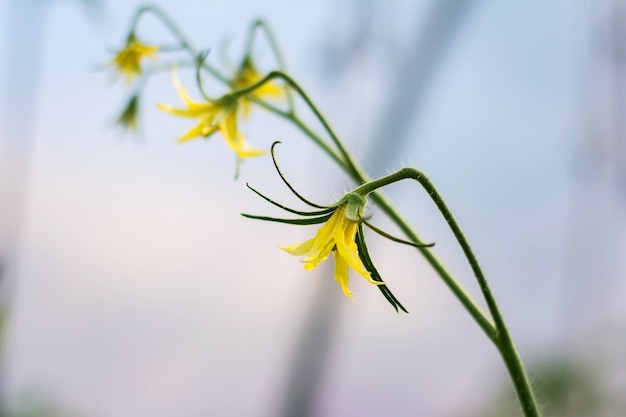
502,339
496,331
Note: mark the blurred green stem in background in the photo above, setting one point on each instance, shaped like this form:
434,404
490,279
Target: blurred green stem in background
494,326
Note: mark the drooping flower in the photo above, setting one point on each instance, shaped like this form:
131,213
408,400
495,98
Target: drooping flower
212,116
248,75
341,233
336,236
128,60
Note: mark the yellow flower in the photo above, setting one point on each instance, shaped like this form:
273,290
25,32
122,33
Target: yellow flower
128,60
212,116
337,235
247,76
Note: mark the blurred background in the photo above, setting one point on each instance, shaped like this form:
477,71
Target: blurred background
131,286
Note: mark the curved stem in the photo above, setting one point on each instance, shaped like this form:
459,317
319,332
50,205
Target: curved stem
503,340
176,32
348,163
261,24
290,115
318,140
411,173
356,173
497,331
344,160
464,298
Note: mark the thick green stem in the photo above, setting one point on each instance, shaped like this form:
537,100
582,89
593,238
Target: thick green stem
358,175
411,173
464,298
497,331
503,340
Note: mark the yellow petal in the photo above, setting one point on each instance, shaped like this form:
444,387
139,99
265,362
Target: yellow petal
242,149
197,131
182,93
320,255
324,241
194,108
326,233
228,128
318,248
182,112
300,248
145,50
347,248
245,108
269,90
341,274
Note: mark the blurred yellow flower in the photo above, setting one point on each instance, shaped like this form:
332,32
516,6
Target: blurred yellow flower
337,235
128,60
212,116
248,75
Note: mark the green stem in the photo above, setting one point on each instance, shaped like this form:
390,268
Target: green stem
318,140
503,340
411,173
200,59
260,24
185,44
290,115
347,162
464,298
177,33
497,332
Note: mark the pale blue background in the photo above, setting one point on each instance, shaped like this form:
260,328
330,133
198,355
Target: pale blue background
141,291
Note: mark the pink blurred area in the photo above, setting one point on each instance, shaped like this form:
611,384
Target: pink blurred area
134,287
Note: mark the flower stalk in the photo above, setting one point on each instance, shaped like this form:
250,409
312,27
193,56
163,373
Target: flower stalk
346,218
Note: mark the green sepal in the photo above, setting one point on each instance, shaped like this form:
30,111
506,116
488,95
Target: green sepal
129,117
302,222
369,265
396,239
290,210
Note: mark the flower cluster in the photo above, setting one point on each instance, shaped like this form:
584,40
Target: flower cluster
342,224
341,232
213,115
